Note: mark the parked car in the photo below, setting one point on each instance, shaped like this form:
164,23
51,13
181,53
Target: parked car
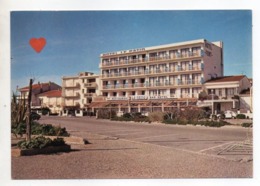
229,114
35,116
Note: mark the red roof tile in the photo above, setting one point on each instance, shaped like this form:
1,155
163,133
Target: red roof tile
52,93
226,79
34,86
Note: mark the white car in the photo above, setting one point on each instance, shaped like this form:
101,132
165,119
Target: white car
230,114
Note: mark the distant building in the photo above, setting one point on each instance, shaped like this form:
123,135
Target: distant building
51,99
37,89
79,91
158,78
227,93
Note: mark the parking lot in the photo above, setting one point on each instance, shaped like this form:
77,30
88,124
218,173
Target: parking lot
200,151
196,139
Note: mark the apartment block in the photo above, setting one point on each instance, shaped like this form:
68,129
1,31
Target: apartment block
175,70
79,91
166,72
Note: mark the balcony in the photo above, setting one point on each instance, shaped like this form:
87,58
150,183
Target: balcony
124,86
188,95
150,72
90,94
76,86
151,59
189,82
90,85
75,96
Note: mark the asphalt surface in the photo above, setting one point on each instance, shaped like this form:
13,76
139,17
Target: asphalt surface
141,150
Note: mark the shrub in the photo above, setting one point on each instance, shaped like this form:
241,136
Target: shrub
40,142
127,115
48,129
202,123
41,129
141,118
241,116
156,116
19,129
106,113
247,125
121,119
191,114
136,117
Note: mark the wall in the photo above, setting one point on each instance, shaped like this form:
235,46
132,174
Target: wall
212,64
245,102
244,84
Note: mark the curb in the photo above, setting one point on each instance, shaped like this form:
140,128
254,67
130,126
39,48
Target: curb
16,152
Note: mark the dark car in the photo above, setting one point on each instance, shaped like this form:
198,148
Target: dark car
35,116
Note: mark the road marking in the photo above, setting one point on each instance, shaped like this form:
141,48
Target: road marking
183,150
132,132
155,136
111,131
216,146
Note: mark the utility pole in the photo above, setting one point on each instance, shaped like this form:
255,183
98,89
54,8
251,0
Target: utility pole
28,119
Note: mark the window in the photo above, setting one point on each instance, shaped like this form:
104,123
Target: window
220,92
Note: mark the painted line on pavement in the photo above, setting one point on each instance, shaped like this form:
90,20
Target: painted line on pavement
216,146
155,136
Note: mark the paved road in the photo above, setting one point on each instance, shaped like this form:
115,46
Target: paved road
138,150
190,138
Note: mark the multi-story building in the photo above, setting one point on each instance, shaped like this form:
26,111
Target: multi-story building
227,93
78,91
37,89
167,72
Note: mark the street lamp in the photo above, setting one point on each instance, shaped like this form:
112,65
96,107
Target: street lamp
212,99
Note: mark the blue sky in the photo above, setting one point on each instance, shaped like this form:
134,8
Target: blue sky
76,39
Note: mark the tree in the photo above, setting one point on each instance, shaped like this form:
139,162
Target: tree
28,115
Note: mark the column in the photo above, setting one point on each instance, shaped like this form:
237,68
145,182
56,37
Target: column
162,107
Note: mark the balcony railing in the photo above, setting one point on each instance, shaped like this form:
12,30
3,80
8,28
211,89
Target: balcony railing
155,84
148,72
150,59
189,82
188,95
72,96
77,85
91,85
90,94
152,97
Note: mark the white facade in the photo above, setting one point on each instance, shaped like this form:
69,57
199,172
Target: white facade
78,91
172,71
52,100
225,93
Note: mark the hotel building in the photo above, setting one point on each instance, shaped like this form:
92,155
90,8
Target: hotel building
174,73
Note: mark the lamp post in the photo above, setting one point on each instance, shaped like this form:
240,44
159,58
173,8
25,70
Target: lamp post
212,99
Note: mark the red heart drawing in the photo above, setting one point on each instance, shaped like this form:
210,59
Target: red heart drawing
38,44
